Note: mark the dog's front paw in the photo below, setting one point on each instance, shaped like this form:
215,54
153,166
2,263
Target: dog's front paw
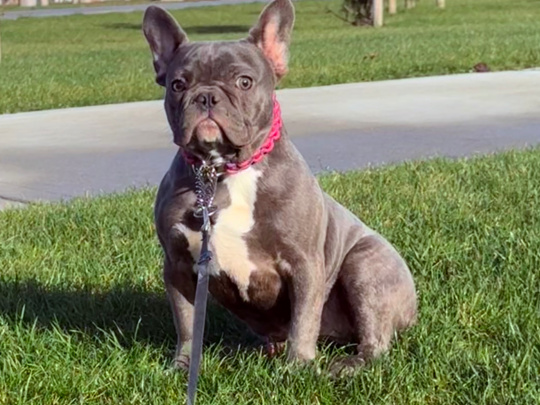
300,355
182,356
181,362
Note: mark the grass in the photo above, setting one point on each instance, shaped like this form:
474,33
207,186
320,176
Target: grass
103,3
85,60
83,317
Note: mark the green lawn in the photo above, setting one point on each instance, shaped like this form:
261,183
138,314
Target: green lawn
83,317
84,60
85,5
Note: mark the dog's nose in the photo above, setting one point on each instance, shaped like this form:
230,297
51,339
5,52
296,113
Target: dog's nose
207,100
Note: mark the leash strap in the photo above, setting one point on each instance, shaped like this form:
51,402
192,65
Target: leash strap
205,188
201,299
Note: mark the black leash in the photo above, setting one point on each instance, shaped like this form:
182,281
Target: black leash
205,189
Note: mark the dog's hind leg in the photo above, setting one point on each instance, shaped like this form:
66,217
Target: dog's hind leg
381,296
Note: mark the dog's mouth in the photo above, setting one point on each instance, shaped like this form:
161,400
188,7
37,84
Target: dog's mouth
208,131
209,142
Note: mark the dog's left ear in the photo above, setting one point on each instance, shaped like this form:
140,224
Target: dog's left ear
165,36
272,34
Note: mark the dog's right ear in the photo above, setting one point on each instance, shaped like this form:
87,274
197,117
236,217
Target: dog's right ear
165,36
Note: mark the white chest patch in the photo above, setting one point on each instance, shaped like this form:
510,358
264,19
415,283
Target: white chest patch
233,223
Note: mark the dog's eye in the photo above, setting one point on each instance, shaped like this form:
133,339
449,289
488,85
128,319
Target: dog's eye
178,85
244,82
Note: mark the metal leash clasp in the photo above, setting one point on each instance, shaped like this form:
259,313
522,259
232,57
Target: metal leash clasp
205,189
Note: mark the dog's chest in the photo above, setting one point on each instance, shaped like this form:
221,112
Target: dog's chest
228,235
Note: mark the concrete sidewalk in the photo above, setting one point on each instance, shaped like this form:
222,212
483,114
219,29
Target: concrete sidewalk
127,8
52,155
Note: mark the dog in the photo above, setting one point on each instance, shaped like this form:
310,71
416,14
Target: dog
292,263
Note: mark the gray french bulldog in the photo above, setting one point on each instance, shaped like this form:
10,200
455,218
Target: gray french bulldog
292,263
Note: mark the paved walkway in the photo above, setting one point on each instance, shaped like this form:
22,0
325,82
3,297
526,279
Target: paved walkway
127,8
52,155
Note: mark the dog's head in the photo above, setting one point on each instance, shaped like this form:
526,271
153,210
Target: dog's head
219,94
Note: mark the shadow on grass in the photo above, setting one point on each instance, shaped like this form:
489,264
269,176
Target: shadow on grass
202,29
133,315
